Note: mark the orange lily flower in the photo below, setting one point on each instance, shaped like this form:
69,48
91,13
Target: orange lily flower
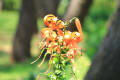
76,37
48,19
78,25
53,22
45,32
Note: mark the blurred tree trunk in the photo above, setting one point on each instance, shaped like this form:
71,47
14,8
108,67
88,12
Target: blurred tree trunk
26,28
106,63
45,7
77,8
1,5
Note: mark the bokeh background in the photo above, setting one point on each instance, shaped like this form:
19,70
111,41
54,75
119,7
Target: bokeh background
95,26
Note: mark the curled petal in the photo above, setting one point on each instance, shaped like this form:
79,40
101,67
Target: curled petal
78,25
48,19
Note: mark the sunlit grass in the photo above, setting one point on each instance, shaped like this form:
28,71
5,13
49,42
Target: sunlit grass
10,71
26,70
8,21
82,66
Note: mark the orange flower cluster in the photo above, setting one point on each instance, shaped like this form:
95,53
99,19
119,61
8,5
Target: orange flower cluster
57,38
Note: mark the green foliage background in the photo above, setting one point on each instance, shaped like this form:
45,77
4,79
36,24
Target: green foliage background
11,4
96,24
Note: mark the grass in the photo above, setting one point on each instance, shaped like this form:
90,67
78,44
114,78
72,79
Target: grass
82,67
26,71
8,21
